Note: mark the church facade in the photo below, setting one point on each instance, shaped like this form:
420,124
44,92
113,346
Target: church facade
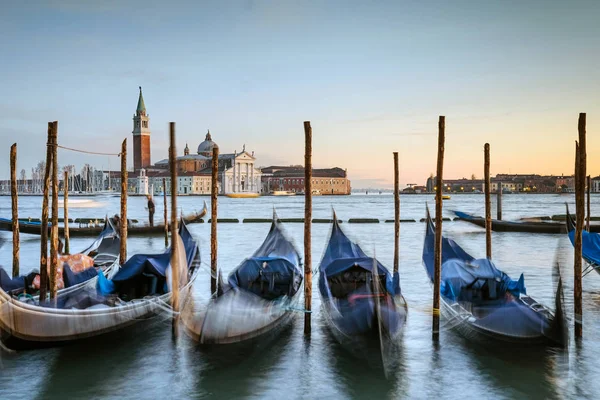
237,171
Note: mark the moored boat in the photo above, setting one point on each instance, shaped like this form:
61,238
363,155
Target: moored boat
283,193
133,229
258,299
482,302
362,302
137,290
519,226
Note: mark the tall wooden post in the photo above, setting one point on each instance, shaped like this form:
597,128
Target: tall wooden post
214,188
165,212
44,222
438,227
488,206
580,174
589,207
396,213
307,226
66,212
15,209
123,230
54,230
499,202
174,232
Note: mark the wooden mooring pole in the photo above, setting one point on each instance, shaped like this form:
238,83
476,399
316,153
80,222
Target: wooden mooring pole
66,212
123,229
174,232
54,228
214,191
588,202
44,222
488,206
307,226
499,202
580,174
15,209
165,212
438,228
396,213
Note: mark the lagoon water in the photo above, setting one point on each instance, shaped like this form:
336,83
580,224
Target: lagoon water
145,362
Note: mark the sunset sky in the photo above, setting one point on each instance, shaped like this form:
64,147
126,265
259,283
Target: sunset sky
372,77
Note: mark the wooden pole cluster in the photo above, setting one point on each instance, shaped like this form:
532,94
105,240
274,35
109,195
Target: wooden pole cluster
214,191
54,230
66,212
488,206
499,202
165,212
438,227
307,226
15,209
396,213
580,174
123,229
44,224
174,232
589,206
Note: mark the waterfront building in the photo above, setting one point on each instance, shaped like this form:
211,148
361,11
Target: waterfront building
326,181
596,184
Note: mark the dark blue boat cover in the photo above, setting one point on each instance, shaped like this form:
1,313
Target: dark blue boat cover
8,284
460,271
276,261
590,245
156,264
71,279
342,254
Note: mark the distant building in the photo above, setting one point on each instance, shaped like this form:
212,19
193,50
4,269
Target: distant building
326,181
596,184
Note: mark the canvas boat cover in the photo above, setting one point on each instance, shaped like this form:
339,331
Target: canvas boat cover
343,254
276,264
462,273
590,244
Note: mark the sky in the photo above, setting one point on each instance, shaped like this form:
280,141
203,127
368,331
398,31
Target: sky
372,77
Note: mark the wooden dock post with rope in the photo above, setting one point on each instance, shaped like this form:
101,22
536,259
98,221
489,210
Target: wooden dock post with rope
66,212
165,212
54,228
123,222
214,188
14,196
438,228
488,205
175,279
307,226
580,177
44,219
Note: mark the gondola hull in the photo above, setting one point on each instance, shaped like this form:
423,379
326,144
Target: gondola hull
521,226
29,325
132,230
237,317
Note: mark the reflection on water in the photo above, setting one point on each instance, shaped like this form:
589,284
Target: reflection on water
144,361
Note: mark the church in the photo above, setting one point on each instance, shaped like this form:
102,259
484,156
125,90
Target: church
237,171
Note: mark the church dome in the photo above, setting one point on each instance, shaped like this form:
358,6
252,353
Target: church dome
206,147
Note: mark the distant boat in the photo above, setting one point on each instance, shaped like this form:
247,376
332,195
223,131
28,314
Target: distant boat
445,197
283,193
242,195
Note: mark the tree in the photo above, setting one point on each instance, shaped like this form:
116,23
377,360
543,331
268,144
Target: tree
473,177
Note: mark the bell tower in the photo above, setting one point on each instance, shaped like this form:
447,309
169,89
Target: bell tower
141,136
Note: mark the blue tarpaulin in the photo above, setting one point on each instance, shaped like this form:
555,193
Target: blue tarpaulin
275,262
8,284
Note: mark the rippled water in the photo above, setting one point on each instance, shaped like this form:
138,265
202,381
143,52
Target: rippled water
144,361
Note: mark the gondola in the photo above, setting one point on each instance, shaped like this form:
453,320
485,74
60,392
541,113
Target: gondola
139,289
590,245
515,226
361,301
256,302
484,303
34,228
104,250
